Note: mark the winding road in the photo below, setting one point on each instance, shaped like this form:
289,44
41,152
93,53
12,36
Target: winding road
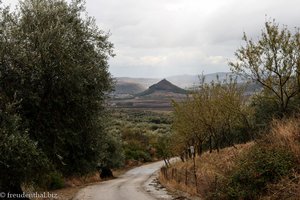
133,185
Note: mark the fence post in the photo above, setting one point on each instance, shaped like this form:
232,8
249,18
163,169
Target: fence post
186,176
195,174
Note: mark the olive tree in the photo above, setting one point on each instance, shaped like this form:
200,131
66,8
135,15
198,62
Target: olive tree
22,161
54,64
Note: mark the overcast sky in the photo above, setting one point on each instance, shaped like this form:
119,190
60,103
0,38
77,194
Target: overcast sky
161,38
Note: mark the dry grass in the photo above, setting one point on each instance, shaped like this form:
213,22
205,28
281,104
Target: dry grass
286,133
173,185
287,188
78,181
72,186
283,134
209,166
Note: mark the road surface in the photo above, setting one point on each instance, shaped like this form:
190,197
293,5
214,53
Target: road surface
130,186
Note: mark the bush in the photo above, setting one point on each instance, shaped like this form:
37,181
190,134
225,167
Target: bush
137,155
269,169
258,167
55,181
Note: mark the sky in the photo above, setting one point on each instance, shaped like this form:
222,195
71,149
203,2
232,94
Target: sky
162,38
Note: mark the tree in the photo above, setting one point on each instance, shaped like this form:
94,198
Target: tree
54,63
274,62
163,148
21,159
213,116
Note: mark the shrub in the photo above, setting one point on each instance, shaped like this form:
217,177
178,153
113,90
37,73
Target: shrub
137,155
55,181
258,167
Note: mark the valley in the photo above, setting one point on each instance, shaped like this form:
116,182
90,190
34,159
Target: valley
158,96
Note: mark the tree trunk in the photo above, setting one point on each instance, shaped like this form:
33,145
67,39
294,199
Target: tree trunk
182,156
199,148
210,144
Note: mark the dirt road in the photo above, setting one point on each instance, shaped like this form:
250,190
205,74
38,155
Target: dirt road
131,186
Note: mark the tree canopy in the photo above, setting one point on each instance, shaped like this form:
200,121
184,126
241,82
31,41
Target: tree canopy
54,70
274,62
211,116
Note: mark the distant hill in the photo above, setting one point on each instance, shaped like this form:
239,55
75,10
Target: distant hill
143,82
188,81
183,81
131,93
158,96
162,86
128,88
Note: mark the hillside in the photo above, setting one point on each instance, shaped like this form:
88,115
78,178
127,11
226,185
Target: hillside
180,175
158,97
143,82
162,86
130,88
188,81
267,168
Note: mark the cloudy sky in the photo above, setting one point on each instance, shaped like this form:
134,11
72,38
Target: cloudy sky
161,38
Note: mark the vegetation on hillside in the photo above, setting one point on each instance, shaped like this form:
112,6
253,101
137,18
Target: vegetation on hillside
265,169
219,115
127,89
213,116
144,134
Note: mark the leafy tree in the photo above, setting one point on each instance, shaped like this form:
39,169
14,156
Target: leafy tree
163,147
212,116
54,63
274,62
21,159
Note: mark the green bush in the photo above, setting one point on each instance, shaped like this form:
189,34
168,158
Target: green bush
137,155
55,181
260,166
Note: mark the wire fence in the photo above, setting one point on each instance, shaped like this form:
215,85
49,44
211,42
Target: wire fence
186,176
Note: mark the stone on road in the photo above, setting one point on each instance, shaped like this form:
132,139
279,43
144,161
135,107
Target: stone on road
130,186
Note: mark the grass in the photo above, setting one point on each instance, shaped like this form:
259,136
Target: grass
209,166
268,168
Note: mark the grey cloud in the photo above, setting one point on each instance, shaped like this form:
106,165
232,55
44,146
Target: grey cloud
168,37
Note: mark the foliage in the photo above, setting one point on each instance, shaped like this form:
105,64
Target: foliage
213,115
54,66
273,61
55,181
272,161
265,109
259,167
112,151
133,153
143,133
163,146
22,161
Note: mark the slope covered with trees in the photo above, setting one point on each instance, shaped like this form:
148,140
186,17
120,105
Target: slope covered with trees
218,115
